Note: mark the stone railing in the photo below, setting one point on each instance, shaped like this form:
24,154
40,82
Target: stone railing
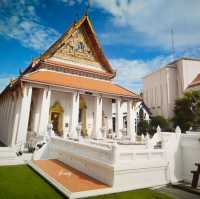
141,155
81,149
103,154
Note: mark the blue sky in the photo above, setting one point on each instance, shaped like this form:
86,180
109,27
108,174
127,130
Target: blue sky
135,34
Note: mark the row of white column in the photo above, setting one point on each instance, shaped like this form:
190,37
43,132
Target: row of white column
14,110
44,114
75,116
6,110
19,110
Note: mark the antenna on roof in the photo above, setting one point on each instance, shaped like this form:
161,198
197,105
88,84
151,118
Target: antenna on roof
173,48
89,4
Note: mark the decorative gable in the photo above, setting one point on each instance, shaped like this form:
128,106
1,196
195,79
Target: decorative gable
77,48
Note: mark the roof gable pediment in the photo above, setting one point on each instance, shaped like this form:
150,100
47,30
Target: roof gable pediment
79,45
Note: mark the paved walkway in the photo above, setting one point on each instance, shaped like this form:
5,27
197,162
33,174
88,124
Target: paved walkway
177,193
73,180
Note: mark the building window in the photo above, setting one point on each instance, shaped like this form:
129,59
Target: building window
114,124
125,122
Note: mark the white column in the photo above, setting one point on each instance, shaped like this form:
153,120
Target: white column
44,111
11,118
130,120
24,115
74,115
97,118
119,117
17,108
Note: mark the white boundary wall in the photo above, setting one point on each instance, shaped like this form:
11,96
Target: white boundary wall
190,144
125,167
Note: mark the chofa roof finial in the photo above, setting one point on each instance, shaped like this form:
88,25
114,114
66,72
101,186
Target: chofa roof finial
89,4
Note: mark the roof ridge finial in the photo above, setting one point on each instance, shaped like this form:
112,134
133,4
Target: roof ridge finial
89,4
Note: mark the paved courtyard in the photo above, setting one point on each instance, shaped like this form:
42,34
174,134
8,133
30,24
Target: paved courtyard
177,193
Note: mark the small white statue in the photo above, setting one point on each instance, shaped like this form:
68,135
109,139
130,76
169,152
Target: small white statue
50,130
158,129
78,130
177,130
103,131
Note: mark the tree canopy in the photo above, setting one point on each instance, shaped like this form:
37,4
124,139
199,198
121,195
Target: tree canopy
187,111
143,125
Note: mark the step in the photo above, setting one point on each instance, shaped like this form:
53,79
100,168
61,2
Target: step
6,149
13,162
8,156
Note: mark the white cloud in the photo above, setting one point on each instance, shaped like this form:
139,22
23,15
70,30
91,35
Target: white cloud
71,2
131,72
4,80
154,20
18,20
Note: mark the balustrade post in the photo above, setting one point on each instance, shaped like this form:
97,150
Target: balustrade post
114,153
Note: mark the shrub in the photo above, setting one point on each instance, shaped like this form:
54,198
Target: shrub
142,125
158,121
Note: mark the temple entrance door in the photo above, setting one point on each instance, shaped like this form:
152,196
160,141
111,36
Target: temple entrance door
56,117
82,116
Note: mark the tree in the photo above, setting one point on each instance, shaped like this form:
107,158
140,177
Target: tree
143,125
187,111
158,121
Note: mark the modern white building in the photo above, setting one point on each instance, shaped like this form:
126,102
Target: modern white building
162,87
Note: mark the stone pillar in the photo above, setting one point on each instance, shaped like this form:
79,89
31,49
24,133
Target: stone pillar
130,120
44,111
11,121
16,116
97,118
119,118
74,115
25,105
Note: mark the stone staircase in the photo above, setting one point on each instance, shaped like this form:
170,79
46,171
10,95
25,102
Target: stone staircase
8,157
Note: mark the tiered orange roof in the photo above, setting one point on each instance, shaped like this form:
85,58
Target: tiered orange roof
76,82
74,69
46,71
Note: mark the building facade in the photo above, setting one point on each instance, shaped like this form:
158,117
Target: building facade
162,87
68,87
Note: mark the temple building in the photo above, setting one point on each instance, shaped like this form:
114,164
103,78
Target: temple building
69,86
66,118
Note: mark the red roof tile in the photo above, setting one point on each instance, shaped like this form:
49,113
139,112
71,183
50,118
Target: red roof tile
196,81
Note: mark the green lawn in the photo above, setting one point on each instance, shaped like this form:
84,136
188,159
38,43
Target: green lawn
139,194
20,182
